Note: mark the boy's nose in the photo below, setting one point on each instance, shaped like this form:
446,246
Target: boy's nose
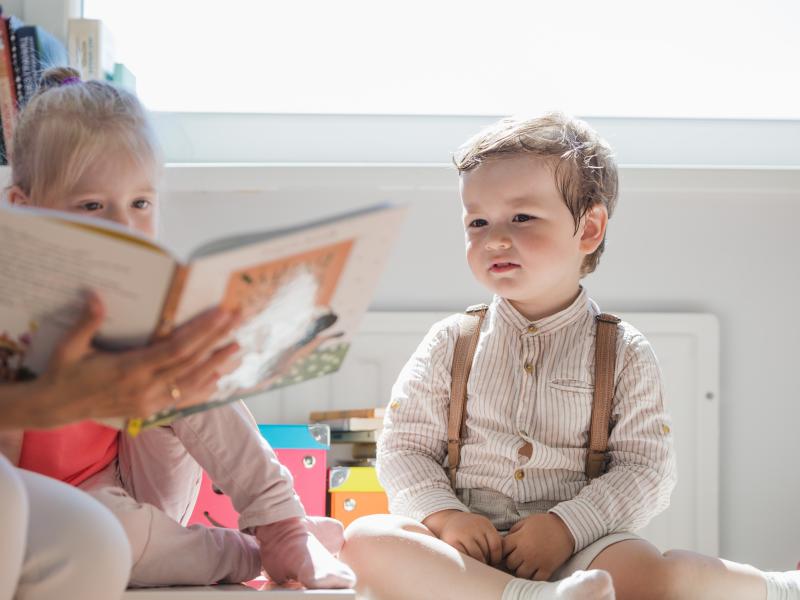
498,242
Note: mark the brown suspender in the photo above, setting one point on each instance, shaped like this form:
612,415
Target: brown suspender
469,330
605,359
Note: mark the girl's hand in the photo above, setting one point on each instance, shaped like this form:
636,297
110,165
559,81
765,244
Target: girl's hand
179,370
470,534
537,545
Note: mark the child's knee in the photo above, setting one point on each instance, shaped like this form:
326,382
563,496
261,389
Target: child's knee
672,574
378,526
134,518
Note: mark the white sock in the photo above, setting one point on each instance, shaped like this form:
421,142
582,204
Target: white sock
581,585
783,586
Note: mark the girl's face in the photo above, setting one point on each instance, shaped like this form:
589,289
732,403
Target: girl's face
116,188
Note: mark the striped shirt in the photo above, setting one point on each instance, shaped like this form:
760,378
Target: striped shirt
531,382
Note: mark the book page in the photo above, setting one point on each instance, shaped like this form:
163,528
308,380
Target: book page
303,295
46,268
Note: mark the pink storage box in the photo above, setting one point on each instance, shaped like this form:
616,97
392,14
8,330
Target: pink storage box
303,449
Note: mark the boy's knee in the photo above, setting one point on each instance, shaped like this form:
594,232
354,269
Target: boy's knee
374,526
673,573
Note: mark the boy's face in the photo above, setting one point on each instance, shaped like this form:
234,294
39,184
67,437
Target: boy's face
520,235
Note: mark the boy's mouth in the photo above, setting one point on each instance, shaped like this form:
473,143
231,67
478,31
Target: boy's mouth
503,267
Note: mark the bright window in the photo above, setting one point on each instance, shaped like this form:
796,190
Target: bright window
628,58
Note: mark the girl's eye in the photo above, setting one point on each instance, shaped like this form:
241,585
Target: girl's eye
141,203
91,206
478,223
522,218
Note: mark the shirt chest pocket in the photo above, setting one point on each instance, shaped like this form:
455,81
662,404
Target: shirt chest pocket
566,412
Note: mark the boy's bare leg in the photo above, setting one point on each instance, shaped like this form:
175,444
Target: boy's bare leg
641,572
396,558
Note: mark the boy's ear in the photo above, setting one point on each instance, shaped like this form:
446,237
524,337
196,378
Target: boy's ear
15,195
594,228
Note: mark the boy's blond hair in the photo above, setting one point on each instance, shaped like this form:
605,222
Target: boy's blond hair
584,167
69,125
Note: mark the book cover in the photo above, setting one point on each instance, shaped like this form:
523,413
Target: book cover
8,87
355,437
353,423
302,292
90,48
36,51
321,415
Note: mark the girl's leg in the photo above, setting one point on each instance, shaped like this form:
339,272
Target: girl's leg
167,553
398,558
75,547
641,572
249,472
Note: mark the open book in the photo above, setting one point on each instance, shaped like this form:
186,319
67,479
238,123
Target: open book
302,291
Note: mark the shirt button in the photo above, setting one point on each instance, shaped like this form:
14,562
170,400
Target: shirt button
528,367
665,428
394,404
519,474
532,329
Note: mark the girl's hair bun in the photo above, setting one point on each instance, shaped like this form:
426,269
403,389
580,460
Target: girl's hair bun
56,76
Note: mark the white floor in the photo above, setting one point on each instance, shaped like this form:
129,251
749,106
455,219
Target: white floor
226,592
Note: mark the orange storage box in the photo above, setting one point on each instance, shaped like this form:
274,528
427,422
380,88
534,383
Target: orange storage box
355,492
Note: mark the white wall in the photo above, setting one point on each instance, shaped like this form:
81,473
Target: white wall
721,241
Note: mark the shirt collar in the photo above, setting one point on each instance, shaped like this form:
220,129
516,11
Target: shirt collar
514,319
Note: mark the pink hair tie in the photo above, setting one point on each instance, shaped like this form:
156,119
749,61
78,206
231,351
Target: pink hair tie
71,80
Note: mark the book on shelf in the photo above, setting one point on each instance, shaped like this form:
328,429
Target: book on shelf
8,86
90,48
355,437
321,415
302,291
36,50
362,450
353,423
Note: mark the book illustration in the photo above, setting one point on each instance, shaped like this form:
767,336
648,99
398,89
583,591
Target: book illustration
285,305
13,350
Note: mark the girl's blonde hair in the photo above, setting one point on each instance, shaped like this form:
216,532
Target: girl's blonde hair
585,170
69,125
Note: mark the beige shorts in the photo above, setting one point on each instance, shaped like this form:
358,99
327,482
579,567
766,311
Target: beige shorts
504,512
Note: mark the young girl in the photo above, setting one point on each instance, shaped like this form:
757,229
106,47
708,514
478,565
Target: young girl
87,147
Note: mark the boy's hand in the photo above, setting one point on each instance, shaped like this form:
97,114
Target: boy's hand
470,534
537,545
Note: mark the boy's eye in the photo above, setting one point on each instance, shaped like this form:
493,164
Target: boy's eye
141,203
478,223
91,206
522,218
